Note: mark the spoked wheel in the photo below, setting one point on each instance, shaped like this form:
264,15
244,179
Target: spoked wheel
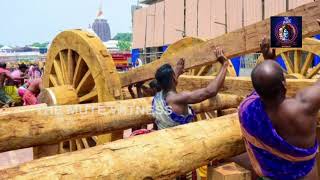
79,70
298,63
69,68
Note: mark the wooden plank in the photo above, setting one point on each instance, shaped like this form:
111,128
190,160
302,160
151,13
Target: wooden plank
71,66
92,94
79,144
228,111
57,68
64,70
79,65
58,123
85,82
307,63
287,62
239,42
61,149
190,146
297,61
53,79
240,86
85,143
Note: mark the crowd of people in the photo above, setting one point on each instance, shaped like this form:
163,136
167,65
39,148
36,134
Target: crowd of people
20,84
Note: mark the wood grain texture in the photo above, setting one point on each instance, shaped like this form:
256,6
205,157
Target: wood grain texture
241,86
22,108
59,95
170,152
47,126
58,123
239,42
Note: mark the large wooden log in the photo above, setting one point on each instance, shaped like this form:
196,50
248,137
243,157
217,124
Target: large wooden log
21,108
241,86
163,154
239,42
45,127
54,124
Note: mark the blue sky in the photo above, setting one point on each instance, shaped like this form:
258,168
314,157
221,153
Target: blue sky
27,21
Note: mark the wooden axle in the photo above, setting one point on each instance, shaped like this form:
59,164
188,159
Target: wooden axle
239,42
162,154
59,95
57,123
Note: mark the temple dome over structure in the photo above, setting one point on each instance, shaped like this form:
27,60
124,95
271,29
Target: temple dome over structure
101,26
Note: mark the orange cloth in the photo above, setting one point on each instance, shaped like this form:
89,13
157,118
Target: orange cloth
29,98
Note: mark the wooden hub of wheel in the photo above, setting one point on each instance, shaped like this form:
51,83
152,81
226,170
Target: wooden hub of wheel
59,95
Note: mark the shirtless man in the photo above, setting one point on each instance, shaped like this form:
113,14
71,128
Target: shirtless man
280,132
30,96
171,108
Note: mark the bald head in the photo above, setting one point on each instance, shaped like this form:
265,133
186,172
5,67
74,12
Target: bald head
267,79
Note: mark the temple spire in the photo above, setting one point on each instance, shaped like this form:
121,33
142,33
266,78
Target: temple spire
100,12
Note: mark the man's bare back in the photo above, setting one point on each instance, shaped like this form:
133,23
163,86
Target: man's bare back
293,123
294,119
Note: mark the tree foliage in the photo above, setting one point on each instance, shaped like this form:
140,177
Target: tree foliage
123,37
40,45
1,45
124,45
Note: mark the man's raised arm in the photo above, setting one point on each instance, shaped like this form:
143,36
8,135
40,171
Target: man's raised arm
211,90
267,52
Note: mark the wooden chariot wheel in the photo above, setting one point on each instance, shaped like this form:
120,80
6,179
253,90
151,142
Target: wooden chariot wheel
298,62
79,69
